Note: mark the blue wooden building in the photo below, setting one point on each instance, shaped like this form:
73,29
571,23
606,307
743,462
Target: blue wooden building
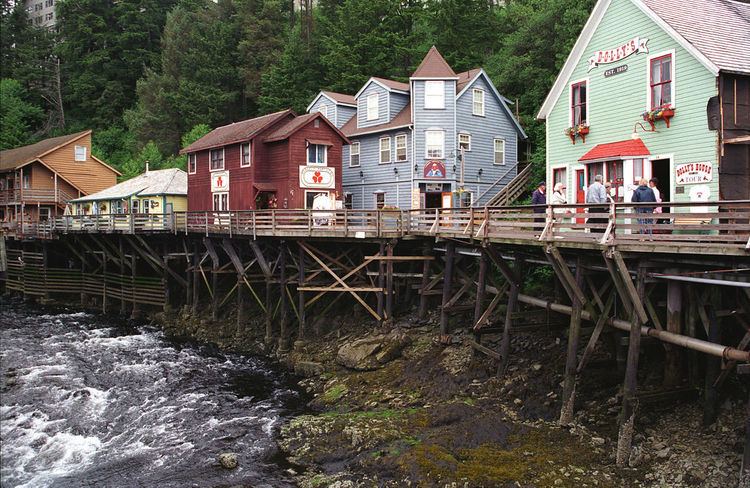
444,139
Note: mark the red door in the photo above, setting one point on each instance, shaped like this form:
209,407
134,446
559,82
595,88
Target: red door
580,193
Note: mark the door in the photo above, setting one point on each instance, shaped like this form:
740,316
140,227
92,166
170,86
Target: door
660,171
433,200
447,200
580,193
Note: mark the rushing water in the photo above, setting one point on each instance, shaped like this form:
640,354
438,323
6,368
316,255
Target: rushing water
90,402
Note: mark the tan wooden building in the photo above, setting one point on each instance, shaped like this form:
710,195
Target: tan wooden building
37,181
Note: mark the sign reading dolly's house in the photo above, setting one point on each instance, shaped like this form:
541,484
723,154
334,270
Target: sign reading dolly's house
692,173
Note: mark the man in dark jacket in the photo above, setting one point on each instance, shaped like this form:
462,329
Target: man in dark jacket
644,194
539,198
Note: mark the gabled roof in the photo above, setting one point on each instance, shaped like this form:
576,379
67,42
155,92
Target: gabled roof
402,119
172,181
236,132
616,150
466,77
390,85
715,32
293,125
17,157
337,98
434,66
479,72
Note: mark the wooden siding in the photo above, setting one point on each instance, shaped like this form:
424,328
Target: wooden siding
616,102
344,114
338,114
90,176
396,103
382,106
483,130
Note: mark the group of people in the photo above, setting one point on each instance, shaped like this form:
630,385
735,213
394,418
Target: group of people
599,193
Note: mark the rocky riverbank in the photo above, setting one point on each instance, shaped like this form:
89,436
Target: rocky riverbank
392,407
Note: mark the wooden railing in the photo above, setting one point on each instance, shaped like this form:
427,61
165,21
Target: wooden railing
34,195
710,227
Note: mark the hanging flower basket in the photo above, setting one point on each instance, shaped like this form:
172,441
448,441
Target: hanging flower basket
577,130
660,113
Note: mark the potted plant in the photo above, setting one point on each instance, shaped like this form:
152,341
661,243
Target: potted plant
664,112
577,130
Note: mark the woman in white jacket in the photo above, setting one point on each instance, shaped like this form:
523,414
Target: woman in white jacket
558,198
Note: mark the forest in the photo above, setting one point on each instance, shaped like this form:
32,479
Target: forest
151,76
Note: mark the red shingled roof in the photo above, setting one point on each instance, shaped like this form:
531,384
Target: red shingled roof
616,150
465,77
402,119
393,84
295,124
236,132
340,97
434,66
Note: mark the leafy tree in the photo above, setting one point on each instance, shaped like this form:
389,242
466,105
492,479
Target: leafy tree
17,116
149,154
114,145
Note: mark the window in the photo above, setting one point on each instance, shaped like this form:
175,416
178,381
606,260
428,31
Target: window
26,182
317,154
37,7
478,102
637,170
117,207
221,202
354,155
559,175
192,163
660,81
310,197
323,109
146,206
217,159
593,170
434,94
372,106
80,153
49,16
49,3
465,199
136,207
385,150
401,148
245,155
434,144
615,176
578,104
348,201
464,142
499,151
379,200
38,19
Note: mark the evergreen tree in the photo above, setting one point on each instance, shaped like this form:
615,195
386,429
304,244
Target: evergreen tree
17,116
149,154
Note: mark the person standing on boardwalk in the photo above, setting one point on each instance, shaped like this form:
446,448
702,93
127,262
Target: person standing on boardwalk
539,199
558,198
640,195
597,194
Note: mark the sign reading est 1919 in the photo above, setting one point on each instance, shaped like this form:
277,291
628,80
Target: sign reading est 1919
616,70
692,173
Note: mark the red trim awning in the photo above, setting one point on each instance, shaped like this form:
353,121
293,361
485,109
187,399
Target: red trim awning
616,150
264,186
320,142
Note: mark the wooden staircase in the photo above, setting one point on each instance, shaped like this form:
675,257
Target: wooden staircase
513,190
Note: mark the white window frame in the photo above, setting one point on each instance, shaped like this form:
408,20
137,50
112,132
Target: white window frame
464,134
673,104
323,109
218,194
570,100
211,160
352,153
436,100
328,194
192,163
402,137
477,92
381,151
243,162
76,153
377,194
373,106
315,163
494,151
427,143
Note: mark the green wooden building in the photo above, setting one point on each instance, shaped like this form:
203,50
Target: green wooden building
655,88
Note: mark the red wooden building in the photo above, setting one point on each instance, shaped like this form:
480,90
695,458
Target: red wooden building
278,160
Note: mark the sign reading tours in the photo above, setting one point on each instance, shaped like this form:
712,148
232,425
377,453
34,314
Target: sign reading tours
692,173
220,181
317,177
434,170
634,46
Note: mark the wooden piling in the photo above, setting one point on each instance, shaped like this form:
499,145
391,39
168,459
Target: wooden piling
123,291
673,355
135,311
196,277
423,297
301,294
479,299
165,280
389,283
513,291
283,304
713,369
381,282
450,255
571,361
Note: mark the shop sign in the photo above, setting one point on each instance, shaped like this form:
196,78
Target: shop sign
634,46
220,181
433,188
434,170
317,177
616,71
692,173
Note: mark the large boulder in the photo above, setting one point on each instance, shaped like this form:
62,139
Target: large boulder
371,352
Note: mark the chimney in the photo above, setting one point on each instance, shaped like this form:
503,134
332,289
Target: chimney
146,166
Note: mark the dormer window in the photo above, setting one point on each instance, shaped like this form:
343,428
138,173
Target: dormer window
372,106
478,102
434,94
323,109
317,154
80,153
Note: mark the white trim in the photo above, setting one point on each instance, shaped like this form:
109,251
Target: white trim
323,109
85,153
315,163
551,182
474,92
494,144
436,106
501,99
379,192
195,158
380,150
373,80
327,192
442,149
223,160
431,78
249,155
483,74
378,130
459,140
376,106
395,147
359,152
585,37
670,52
334,102
212,200
672,179
570,99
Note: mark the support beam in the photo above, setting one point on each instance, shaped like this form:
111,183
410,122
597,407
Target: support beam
673,355
381,282
283,304
423,297
214,277
301,294
515,289
196,279
481,289
597,332
450,254
574,333
389,282
713,369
